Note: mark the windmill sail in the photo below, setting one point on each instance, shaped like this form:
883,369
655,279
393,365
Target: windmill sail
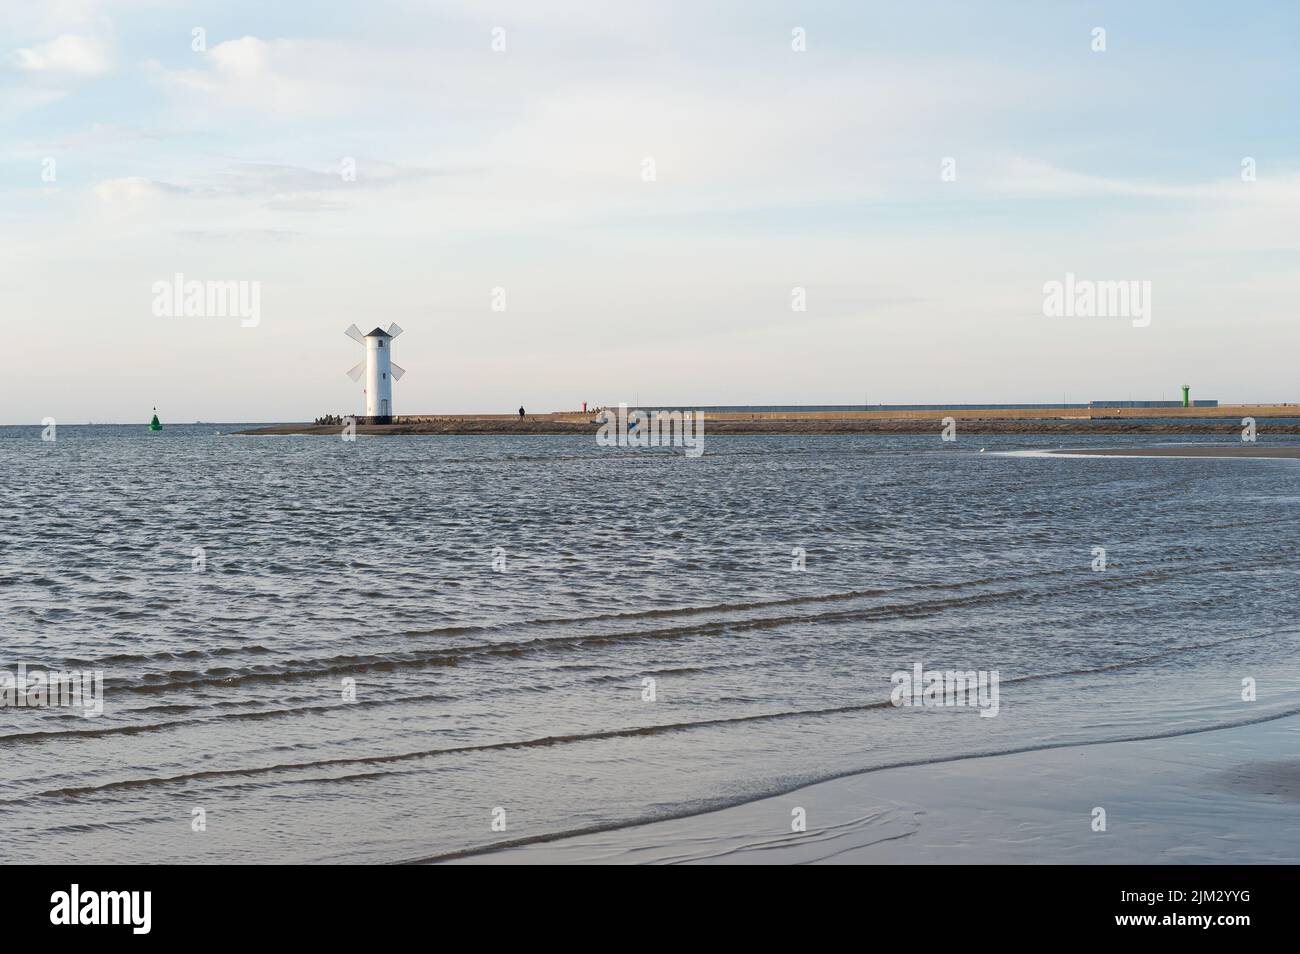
357,370
355,334
398,371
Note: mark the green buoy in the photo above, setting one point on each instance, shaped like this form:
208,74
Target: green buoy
155,424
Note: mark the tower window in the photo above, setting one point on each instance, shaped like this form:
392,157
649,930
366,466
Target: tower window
381,342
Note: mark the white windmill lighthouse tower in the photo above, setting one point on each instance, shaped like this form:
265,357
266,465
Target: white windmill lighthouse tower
380,371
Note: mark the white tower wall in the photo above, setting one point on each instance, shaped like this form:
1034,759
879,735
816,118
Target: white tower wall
379,376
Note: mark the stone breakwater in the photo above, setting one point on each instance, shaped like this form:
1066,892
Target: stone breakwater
1225,421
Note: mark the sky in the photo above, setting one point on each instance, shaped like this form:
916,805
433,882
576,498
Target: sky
563,201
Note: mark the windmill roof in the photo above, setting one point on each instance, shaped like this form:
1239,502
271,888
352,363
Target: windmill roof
378,332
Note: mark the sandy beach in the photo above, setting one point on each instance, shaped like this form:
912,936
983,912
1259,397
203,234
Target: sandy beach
1222,796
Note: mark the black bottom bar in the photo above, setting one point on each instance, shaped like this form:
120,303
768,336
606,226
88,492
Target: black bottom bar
333,905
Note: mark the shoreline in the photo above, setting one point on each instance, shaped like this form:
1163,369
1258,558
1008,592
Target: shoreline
1206,796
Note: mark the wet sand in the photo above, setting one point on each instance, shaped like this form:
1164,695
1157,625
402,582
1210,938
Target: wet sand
1222,796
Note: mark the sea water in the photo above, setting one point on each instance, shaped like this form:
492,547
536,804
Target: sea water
398,648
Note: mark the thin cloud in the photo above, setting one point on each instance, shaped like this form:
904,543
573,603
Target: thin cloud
134,189
67,54
1036,178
